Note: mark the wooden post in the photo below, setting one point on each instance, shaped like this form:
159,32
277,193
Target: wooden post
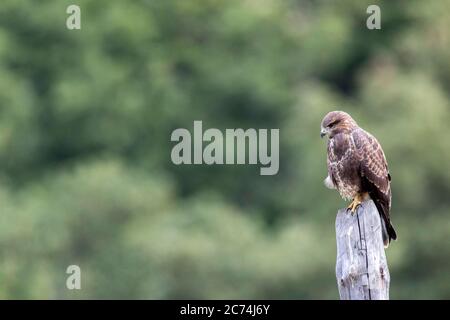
361,268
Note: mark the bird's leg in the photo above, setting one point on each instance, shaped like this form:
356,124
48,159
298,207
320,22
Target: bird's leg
356,202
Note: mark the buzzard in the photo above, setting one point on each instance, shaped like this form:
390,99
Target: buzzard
357,167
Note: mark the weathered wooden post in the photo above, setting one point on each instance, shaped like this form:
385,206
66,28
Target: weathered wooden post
361,268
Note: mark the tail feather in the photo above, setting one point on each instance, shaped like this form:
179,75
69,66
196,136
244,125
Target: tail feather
388,231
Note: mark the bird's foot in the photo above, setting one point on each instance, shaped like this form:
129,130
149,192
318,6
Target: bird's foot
355,204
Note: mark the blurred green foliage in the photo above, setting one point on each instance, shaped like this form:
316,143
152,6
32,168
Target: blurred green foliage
85,122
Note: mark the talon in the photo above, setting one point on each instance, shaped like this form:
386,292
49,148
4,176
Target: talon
354,204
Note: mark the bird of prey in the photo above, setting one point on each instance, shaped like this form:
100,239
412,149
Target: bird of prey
357,167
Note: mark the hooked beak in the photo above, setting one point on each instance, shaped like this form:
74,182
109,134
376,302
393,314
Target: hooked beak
323,133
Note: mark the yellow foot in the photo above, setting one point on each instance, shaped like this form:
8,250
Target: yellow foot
355,204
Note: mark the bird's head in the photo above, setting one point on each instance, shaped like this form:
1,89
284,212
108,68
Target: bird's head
336,122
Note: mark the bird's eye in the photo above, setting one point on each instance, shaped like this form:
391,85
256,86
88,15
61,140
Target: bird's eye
333,123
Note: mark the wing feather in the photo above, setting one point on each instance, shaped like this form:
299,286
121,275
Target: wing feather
375,175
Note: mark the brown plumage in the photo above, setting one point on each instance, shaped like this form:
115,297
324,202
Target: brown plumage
357,167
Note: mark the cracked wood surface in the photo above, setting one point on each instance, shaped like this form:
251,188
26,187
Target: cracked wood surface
361,268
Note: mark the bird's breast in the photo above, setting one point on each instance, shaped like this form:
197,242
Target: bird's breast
344,166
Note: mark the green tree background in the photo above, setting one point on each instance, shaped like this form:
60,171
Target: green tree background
85,123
